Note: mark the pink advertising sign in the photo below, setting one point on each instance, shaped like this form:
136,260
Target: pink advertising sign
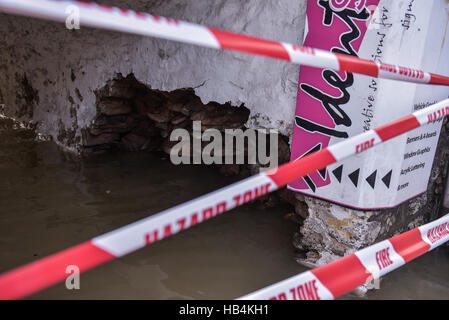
333,106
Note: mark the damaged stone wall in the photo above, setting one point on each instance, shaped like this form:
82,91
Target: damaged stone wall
133,117
50,74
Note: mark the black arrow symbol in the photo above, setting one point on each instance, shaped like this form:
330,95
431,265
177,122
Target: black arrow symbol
387,179
372,179
338,173
354,176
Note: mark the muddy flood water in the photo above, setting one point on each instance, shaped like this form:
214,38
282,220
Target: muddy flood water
50,201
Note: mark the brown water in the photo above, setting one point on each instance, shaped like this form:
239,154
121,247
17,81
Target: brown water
49,202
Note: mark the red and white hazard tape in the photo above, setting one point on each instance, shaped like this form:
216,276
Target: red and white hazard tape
45,272
345,274
112,18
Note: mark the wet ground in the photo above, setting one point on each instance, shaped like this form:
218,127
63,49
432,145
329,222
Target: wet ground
50,201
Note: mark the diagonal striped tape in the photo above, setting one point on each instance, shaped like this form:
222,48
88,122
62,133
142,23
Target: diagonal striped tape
123,20
346,274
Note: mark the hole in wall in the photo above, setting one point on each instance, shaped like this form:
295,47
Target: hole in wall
133,117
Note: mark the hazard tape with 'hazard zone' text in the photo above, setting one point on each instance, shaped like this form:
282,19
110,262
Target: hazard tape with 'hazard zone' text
346,274
40,274
124,20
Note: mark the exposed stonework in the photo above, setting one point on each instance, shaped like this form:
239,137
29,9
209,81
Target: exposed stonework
133,117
